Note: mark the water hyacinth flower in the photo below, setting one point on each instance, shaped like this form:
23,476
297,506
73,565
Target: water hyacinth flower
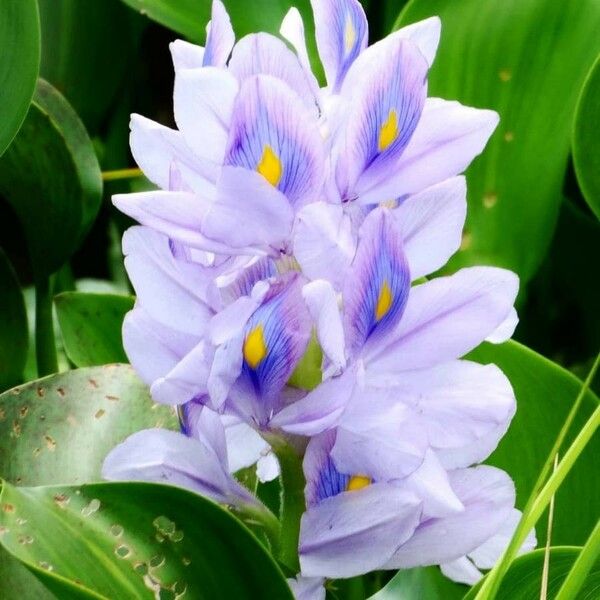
258,127
288,213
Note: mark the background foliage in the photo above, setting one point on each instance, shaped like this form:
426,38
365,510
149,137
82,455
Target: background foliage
71,72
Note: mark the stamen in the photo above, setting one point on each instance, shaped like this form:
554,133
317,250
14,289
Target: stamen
384,301
255,348
270,166
389,131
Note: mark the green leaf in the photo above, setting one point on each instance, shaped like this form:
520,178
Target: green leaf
422,583
586,150
76,35
135,540
14,336
524,578
48,434
91,326
61,427
51,177
496,55
19,63
545,393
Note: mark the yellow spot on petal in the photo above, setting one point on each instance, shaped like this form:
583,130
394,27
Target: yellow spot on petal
349,34
255,348
358,482
384,302
270,166
389,131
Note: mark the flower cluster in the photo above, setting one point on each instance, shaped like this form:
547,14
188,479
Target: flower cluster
297,221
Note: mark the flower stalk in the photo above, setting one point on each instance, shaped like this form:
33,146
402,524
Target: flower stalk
45,345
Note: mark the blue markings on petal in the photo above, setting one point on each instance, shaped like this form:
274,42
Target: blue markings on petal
342,34
331,482
376,292
275,339
273,134
219,37
389,99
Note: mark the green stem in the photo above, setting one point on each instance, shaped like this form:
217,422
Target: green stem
45,345
533,512
121,174
262,517
292,501
585,561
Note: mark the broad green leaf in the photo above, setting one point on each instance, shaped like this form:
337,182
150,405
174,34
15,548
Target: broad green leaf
87,49
545,392
51,178
422,583
60,428
586,149
526,59
14,336
19,63
135,540
91,326
524,578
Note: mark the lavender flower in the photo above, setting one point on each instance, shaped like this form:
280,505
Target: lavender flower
287,213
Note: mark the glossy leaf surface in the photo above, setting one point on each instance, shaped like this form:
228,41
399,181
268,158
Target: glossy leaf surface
135,540
91,326
503,54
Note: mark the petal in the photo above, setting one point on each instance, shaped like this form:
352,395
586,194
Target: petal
186,55
382,445
307,588
342,34
461,570
176,214
506,329
275,338
377,287
462,408
205,425
448,137
445,318
219,37
321,299
292,30
486,555
431,484
173,291
152,348
264,54
170,457
425,34
248,212
245,446
356,532
267,468
320,409
431,223
203,103
488,495
158,150
273,133
381,121
324,243
186,380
